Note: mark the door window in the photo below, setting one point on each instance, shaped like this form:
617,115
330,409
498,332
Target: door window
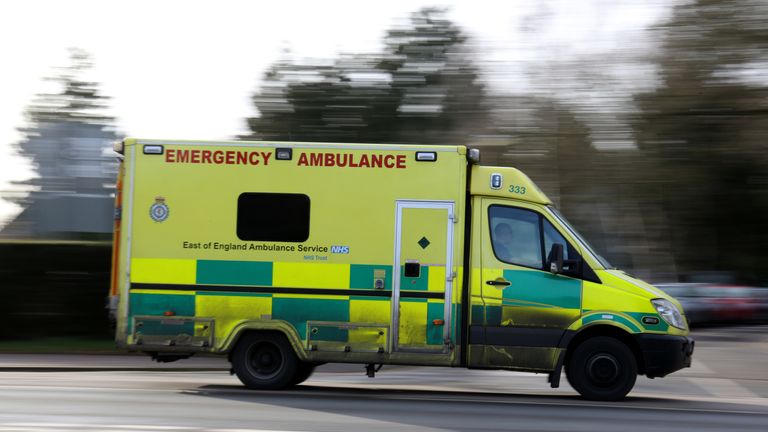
516,236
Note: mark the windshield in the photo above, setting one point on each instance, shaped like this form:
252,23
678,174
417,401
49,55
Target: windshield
603,262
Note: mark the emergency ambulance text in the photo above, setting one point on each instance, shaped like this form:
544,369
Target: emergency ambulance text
217,157
352,160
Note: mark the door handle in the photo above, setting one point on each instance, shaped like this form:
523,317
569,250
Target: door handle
499,282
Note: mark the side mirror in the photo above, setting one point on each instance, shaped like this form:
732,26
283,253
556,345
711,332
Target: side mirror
555,259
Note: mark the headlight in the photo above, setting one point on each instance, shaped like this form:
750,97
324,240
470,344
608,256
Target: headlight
669,312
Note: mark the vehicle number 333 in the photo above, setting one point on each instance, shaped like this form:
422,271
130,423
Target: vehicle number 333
517,189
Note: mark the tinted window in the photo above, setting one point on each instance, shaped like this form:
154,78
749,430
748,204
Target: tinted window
273,217
516,236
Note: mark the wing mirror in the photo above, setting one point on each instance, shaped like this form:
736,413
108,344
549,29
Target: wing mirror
555,259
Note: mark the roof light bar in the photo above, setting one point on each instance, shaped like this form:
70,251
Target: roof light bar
284,154
426,156
153,149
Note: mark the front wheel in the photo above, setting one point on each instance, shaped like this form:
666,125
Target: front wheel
265,361
602,368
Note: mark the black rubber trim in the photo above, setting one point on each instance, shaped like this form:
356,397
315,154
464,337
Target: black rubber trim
554,376
285,290
515,336
566,339
664,354
422,294
466,305
477,335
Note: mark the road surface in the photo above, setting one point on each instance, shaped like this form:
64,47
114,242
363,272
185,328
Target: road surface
725,390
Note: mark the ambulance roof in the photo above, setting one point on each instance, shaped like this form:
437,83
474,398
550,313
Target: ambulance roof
505,182
462,150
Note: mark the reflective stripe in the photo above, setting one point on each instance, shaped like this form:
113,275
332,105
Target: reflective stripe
169,271
310,275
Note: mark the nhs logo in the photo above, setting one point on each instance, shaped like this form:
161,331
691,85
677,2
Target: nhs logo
340,249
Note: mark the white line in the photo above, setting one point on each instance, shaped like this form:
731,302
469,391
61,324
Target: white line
723,387
246,430
37,426
697,367
146,427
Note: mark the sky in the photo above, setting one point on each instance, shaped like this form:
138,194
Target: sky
186,69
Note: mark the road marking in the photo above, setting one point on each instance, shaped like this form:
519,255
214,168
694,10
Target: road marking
721,387
151,428
246,430
698,367
51,427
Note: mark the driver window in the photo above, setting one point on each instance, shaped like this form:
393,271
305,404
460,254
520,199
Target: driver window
516,236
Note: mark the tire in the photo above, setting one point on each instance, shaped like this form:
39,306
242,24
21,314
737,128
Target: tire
303,372
602,368
265,361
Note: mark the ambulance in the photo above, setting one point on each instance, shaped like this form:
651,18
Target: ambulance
284,255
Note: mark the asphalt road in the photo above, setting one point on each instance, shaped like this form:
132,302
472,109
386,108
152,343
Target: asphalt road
726,390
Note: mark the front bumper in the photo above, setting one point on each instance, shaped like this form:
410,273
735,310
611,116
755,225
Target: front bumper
664,354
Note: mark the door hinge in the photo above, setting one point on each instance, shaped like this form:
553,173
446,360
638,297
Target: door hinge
451,277
453,218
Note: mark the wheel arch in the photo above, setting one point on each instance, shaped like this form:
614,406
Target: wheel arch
280,327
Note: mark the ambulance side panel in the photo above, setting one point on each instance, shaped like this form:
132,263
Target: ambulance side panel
219,238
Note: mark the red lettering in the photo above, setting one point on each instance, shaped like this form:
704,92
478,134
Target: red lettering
364,161
303,160
328,159
253,158
182,156
376,161
195,156
265,157
401,161
169,156
206,156
218,157
316,159
388,161
341,159
352,162
242,158
230,157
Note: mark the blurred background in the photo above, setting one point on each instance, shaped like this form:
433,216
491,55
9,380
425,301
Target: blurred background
645,121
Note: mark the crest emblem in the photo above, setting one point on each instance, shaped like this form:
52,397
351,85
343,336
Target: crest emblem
159,210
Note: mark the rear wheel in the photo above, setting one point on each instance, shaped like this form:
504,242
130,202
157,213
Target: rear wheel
303,372
602,368
265,361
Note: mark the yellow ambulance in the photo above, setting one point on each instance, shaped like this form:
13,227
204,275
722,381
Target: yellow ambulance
286,255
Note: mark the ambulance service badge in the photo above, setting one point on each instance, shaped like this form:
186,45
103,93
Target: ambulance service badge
159,210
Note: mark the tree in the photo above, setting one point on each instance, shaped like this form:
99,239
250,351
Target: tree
422,89
68,138
79,99
705,127
441,100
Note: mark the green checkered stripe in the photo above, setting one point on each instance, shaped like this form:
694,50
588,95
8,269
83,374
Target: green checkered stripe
296,309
